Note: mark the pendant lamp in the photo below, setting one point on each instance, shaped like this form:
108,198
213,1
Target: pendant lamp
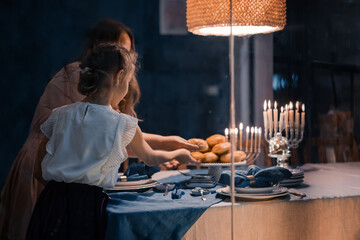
212,17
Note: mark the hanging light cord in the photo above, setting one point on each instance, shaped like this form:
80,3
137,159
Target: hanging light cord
232,119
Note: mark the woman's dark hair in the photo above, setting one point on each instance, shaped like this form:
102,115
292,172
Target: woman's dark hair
100,66
109,31
106,31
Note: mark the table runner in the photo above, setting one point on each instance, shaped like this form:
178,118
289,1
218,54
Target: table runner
154,216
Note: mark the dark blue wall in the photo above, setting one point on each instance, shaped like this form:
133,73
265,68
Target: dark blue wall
39,37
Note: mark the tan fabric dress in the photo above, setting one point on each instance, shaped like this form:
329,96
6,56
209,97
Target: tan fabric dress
21,189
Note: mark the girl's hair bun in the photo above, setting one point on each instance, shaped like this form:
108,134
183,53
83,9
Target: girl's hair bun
103,62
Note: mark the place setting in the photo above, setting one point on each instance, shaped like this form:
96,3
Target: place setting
137,178
258,184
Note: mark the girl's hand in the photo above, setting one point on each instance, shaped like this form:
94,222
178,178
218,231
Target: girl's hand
185,157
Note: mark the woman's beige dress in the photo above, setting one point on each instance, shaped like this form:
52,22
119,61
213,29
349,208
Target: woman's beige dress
21,189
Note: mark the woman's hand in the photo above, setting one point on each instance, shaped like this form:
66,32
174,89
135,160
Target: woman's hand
170,165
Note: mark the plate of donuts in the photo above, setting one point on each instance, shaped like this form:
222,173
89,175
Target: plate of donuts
215,151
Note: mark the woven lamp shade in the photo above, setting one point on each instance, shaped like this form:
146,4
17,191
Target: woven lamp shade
212,17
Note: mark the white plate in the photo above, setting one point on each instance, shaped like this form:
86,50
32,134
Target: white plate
133,183
296,177
254,190
292,180
291,184
297,171
134,187
277,192
220,164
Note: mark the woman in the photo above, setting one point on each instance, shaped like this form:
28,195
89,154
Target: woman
21,189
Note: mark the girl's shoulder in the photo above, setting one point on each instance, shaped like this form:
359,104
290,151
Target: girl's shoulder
127,117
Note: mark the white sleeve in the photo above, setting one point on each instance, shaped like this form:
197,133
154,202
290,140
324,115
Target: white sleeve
48,126
127,129
125,133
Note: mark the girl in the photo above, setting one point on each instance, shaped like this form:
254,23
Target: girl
85,145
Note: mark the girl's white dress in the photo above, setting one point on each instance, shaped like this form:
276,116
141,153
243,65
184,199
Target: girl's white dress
87,144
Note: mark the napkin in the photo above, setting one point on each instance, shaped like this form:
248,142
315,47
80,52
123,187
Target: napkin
241,180
272,175
262,177
177,194
141,169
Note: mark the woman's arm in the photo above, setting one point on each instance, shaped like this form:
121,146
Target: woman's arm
154,157
40,156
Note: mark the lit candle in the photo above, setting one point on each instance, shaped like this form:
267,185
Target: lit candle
275,117
291,114
266,125
303,116
241,133
255,138
281,124
286,115
297,116
251,139
236,137
270,118
247,139
226,134
259,140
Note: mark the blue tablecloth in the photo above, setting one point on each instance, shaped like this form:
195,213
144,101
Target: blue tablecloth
152,215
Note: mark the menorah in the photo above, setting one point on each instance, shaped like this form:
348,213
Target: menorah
252,146
274,129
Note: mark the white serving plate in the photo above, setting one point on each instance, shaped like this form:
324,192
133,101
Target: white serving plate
148,185
277,192
252,190
133,183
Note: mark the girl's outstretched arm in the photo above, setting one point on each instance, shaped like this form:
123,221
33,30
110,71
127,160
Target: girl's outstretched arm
154,157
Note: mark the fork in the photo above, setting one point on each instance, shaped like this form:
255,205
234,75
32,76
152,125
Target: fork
166,189
202,194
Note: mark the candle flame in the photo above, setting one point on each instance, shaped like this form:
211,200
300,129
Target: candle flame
260,130
275,104
269,104
297,105
290,105
286,107
282,109
247,129
236,131
303,107
226,131
241,127
252,129
265,105
256,130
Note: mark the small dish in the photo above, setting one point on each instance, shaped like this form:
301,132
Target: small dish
161,187
197,191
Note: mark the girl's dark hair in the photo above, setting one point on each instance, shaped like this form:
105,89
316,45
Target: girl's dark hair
109,31
100,66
